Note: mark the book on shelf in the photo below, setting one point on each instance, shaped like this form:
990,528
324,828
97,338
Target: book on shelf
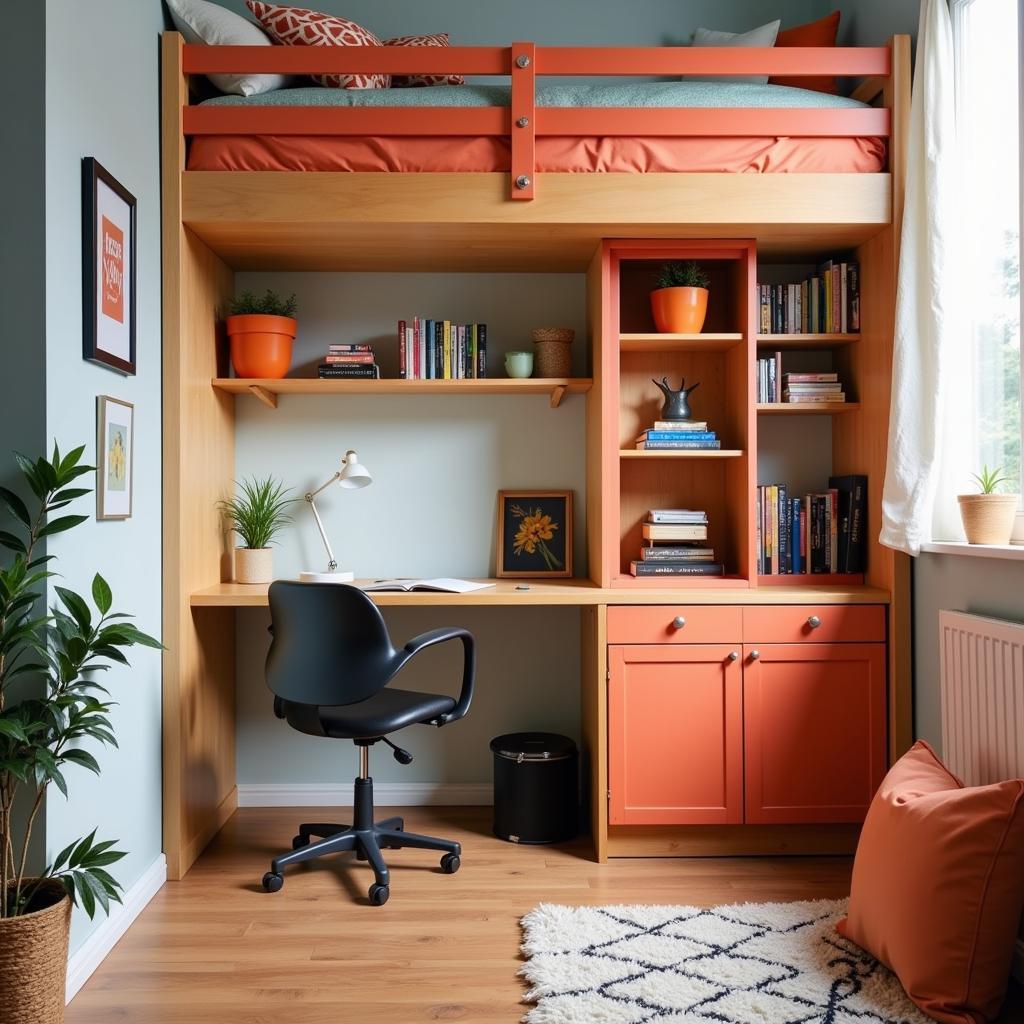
677,515
820,533
442,584
682,436
674,531
330,371
676,553
348,358
649,568
674,426
441,350
774,386
803,399
668,446
827,302
340,349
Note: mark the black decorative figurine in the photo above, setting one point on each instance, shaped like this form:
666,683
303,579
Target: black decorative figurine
677,403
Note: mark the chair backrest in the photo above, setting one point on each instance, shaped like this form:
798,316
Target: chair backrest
330,644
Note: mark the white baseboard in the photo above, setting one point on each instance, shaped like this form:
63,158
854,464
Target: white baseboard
385,794
1018,961
92,952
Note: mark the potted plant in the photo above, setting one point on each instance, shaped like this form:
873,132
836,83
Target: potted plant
680,302
261,330
988,517
257,515
50,705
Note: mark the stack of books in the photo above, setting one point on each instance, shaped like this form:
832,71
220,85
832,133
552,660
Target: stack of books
677,435
441,350
344,361
818,533
774,386
675,544
827,303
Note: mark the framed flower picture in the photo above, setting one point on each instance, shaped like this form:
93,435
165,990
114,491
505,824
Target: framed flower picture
534,533
115,447
108,270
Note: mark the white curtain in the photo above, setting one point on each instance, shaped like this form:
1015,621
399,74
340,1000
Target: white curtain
927,322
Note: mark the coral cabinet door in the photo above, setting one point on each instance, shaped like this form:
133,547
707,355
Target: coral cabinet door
815,728
675,734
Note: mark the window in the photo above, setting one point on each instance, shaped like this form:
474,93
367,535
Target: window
988,87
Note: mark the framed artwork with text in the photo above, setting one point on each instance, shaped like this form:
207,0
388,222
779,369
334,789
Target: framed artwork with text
108,270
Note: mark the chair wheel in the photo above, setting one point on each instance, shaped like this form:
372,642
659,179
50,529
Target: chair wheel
298,842
379,895
273,882
450,863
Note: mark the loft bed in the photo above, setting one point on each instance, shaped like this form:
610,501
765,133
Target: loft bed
454,175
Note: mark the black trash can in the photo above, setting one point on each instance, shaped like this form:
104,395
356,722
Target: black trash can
536,787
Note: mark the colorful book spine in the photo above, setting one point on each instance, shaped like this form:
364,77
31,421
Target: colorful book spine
648,568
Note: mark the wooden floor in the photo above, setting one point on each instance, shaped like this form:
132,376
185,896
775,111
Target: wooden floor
216,949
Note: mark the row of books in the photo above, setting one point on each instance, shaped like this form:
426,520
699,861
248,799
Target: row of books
818,533
775,386
347,361
441,350
675,544
678,435
826,303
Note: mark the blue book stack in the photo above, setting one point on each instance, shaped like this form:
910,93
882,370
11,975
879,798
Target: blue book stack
683,435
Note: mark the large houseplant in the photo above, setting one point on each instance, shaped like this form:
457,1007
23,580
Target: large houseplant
988,516
51,704
261,329
257,515
680,302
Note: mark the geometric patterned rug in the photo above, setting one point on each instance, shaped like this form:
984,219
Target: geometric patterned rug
752,963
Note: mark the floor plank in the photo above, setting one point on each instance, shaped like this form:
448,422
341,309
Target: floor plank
215,949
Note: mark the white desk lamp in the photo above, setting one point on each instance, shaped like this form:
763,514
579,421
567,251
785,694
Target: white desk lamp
352,476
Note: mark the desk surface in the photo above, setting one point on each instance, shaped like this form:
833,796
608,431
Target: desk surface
563,592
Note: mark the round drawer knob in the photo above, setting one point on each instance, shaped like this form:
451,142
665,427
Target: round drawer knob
678,622
754,655
523,181
734,655
814,622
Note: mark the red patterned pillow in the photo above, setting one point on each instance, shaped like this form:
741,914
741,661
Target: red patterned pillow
405,81
296,26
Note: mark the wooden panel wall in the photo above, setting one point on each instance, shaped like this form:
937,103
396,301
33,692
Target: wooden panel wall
198,681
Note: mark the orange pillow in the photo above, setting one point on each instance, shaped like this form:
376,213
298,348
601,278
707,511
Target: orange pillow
938,886
815,33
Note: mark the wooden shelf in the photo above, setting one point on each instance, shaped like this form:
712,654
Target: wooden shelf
806,408
268,391
804,579
680,453
678,342
786,342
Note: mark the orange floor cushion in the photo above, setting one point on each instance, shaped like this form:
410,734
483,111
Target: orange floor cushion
816,33
938,886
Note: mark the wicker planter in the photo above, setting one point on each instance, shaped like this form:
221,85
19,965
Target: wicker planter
988,518
553,351
34,960
254,565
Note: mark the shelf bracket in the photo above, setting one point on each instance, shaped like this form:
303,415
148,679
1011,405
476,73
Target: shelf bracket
557,394
268,398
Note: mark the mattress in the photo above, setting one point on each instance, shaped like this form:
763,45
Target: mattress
553,153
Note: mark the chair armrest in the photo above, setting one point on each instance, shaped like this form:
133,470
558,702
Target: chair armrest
438,636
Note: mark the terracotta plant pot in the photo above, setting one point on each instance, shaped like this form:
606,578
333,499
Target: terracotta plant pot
988,518
261,345
254,565
34,959
679,310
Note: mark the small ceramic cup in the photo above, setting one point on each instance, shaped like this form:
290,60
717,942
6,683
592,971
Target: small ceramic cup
519,364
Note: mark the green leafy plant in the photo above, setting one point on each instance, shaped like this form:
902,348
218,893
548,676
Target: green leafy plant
989,479
50,701
269,304
686,274
260,512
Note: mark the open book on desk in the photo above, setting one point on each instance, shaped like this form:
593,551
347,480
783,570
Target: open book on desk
442,584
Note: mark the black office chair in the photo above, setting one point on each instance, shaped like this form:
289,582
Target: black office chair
329,666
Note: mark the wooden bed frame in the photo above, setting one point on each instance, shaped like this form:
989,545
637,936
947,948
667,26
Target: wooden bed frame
216,223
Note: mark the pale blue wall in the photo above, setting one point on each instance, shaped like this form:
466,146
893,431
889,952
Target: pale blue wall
102,100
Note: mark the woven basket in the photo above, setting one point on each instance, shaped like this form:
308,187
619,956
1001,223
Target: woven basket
34,960
988,518
553,351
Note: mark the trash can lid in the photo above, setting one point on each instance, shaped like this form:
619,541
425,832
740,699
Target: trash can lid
533,746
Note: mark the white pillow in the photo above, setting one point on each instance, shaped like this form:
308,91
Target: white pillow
202,22
763,36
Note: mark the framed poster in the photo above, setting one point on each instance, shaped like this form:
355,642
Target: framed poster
534,534
115,448
108,270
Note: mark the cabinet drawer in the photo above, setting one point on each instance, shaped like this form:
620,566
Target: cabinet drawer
674,624
816,624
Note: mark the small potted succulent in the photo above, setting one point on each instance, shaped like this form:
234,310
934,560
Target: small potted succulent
257,515
261,330
988,517
680,302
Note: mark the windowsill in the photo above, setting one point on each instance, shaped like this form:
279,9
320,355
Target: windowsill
1011,552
